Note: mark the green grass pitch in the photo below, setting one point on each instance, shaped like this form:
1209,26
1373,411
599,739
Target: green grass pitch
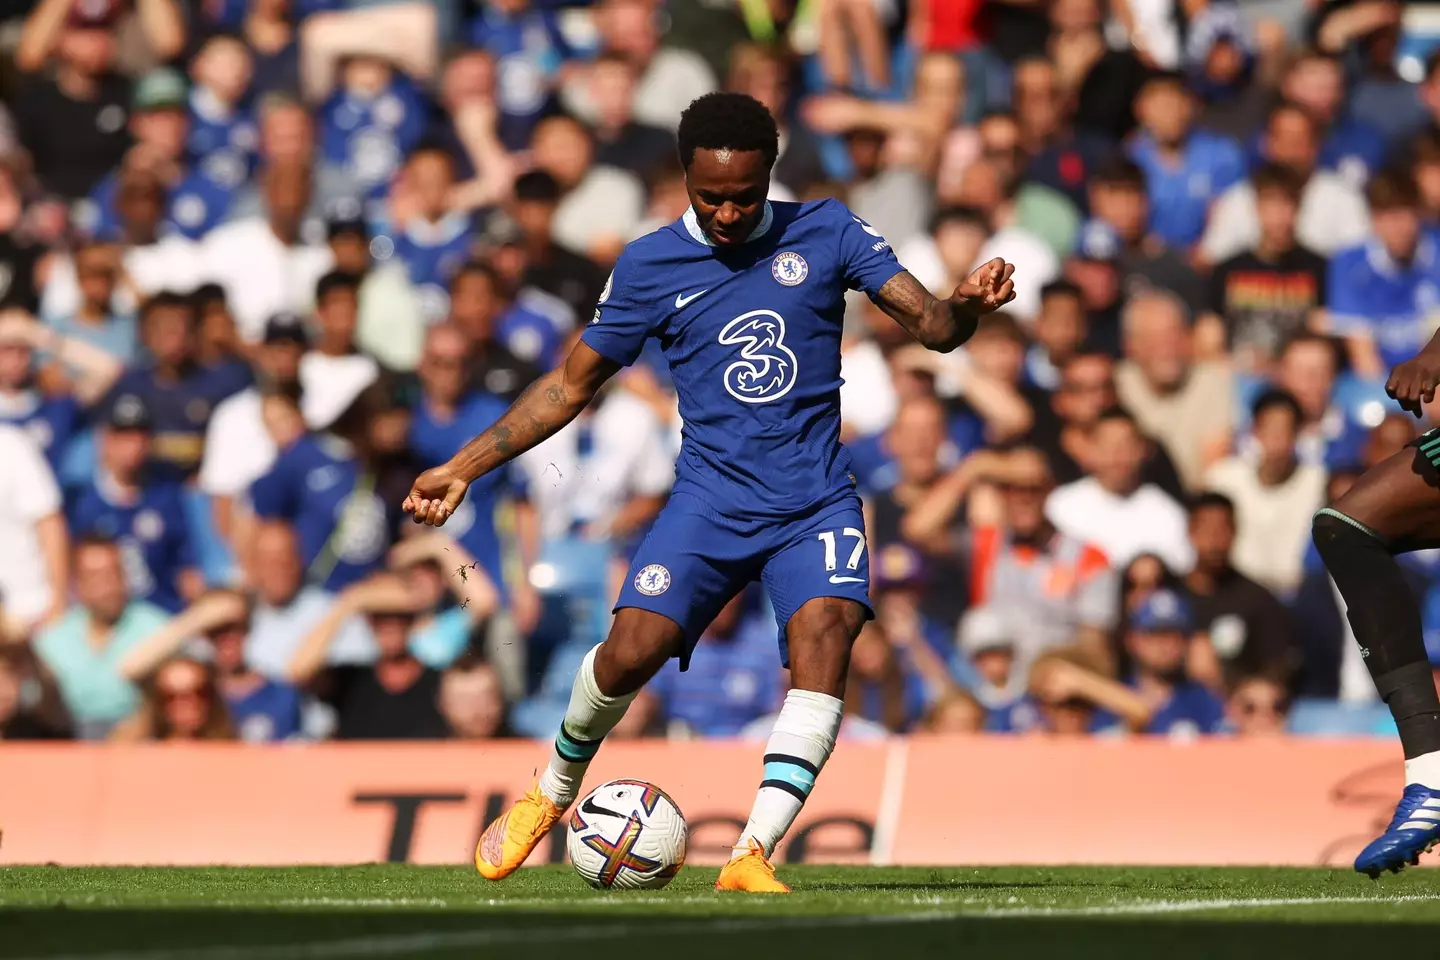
836,912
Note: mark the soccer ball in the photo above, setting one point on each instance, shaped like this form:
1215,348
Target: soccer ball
627,835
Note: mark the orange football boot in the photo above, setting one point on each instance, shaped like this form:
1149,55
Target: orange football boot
509,839
750,872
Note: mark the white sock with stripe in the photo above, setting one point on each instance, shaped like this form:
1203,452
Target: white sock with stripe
588,718
1424,770
798,747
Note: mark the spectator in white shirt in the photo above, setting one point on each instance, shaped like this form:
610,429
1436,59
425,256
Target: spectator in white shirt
1112,509
264,264
335,372
34,546
1275,496
238,448
1333,214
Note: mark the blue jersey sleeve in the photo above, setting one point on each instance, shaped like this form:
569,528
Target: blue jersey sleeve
623,317
1345,299
865,256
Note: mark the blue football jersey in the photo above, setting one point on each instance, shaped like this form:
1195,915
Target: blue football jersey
432,253
223,145
371,137
193,207
153,534
50,421
752,337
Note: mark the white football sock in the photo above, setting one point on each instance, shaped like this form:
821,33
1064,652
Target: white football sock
1424,770
799,745
590,716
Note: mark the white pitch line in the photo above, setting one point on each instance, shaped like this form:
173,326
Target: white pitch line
386,946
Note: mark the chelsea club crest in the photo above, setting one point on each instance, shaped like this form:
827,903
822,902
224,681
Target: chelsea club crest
789,268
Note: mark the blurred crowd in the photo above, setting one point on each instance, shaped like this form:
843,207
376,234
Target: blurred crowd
261,262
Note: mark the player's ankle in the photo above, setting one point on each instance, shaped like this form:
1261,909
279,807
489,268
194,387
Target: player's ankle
1424,770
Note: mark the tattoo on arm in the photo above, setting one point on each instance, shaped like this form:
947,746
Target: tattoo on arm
938,324
539,412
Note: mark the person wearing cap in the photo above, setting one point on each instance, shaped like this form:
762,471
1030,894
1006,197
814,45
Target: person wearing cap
196,201
987,642
1157,641
238,448
143,514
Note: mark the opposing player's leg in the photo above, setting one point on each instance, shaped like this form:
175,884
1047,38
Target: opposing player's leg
675,588
819,584
1392,509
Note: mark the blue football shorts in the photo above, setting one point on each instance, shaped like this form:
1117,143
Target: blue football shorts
694,560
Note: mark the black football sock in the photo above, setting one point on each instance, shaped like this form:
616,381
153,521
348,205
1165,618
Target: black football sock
1385,617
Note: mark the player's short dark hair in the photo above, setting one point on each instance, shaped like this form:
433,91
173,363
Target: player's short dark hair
1211,499
733,121
537,186
166,300
1276,400
1060,288
1279,178
334,281
1119,172
1392,189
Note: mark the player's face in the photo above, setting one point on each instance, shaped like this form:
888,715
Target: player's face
727,188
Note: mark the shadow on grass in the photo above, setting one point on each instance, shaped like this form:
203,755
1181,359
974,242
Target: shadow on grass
211,934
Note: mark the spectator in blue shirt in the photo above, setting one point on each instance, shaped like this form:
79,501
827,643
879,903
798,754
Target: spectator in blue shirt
195,201
1349,146
371,122
731,679
144,515
51,421
529,49
1185,169
222,141
433,241
179,392
447,416
324,485
491,318
1383,295
1158,641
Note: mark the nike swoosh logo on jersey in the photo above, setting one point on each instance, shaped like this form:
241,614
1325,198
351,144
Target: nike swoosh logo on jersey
595,810
838,579
681,299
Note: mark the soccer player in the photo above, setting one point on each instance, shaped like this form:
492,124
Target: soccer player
746,297
1392,509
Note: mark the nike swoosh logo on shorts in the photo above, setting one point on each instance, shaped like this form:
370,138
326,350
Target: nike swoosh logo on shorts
838,579
681,299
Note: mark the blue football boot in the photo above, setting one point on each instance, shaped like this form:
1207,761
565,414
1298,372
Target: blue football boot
1413,830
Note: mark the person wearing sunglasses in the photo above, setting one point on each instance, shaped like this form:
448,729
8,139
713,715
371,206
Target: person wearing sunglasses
1257,707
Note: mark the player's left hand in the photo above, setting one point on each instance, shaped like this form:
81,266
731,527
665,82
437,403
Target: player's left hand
988,289
435,495
1412,384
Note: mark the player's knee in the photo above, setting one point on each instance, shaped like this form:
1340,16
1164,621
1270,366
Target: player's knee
634,651
1335,533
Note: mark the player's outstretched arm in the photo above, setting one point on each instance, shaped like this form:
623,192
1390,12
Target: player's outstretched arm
546,405
945,324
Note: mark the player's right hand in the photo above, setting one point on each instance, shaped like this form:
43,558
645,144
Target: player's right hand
1412,383
435,495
